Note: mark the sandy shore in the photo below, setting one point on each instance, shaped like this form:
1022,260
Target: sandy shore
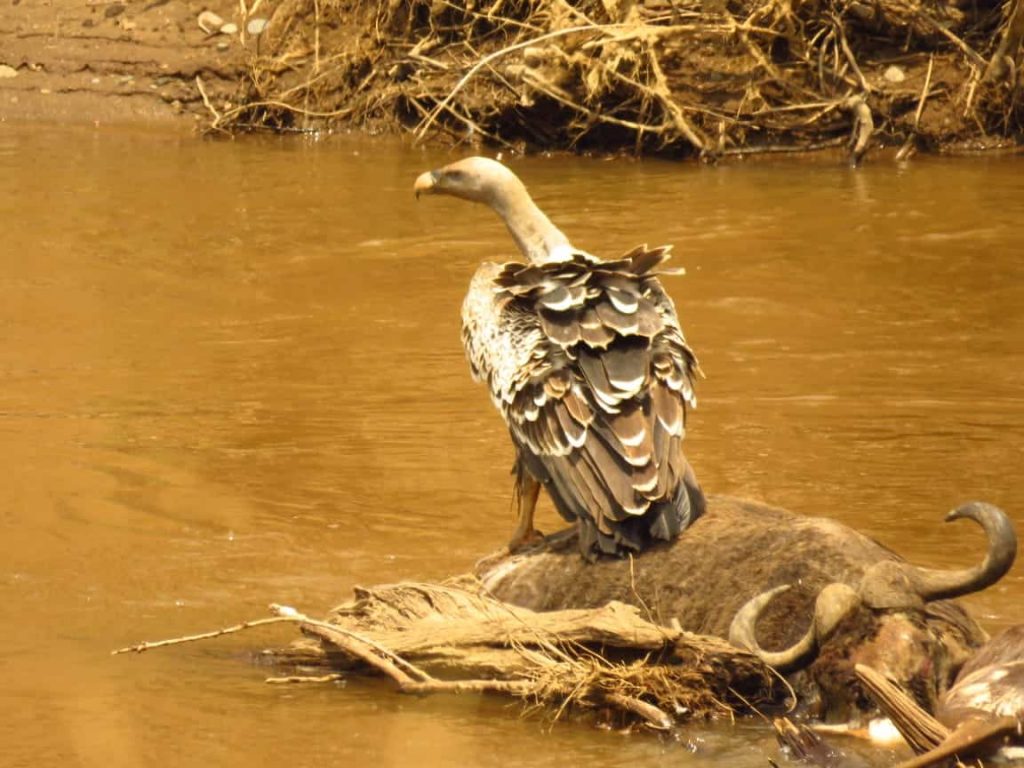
98,61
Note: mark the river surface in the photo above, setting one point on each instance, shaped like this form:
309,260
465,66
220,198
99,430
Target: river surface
230,374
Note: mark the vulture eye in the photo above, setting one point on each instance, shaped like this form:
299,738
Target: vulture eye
456,175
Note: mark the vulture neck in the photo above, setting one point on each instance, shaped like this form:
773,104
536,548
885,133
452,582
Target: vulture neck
538,239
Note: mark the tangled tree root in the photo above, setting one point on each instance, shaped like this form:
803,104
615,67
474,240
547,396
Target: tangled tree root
430,638
706,77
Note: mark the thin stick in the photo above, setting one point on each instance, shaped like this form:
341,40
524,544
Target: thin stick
662,93
387,661
316,36
206,100
147,646
972,54
289,679
864,84
924,92
908,146
377,656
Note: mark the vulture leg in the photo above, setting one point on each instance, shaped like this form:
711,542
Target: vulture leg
527,490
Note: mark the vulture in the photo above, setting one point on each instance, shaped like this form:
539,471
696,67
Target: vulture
587,363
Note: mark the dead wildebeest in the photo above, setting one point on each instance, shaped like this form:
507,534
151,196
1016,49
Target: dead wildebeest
864,603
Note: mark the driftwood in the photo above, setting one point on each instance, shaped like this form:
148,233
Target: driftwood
609,656
454,638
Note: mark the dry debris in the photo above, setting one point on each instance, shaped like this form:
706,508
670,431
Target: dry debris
681,77
454,638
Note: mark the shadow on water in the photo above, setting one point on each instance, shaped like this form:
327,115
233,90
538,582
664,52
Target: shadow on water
231,375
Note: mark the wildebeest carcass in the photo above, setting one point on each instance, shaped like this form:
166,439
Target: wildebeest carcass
865,604
981,715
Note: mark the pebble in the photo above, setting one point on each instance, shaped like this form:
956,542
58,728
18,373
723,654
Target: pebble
7,71
894,74
256,27
229,29
210,22
222,46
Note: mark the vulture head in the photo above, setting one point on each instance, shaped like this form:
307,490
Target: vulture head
482,180
477,179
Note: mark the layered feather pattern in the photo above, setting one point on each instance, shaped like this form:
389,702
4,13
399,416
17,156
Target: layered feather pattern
588,364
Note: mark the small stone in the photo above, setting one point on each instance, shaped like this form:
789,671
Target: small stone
7,72
894,74
45,91
222,47
229,29
256,27
95,81
209,22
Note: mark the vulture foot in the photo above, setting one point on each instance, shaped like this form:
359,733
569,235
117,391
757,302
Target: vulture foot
527,540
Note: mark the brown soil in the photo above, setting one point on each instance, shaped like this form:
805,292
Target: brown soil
99,61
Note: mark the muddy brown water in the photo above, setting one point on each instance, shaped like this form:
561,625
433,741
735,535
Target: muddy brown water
230,374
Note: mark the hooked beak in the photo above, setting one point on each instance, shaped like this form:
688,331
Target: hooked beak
425,183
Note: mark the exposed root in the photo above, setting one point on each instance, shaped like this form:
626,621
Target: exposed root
680,77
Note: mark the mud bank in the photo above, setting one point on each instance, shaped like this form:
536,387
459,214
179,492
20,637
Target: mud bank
99,62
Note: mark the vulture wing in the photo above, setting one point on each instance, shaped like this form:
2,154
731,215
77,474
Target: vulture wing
588,364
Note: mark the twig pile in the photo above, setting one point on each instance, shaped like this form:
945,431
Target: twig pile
704,77
461,639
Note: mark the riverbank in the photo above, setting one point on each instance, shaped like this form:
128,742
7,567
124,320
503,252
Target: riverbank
680,79
76,61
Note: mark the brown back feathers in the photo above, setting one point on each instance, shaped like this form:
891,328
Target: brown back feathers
589,366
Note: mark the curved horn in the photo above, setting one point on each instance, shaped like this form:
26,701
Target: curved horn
743,634
1002,549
